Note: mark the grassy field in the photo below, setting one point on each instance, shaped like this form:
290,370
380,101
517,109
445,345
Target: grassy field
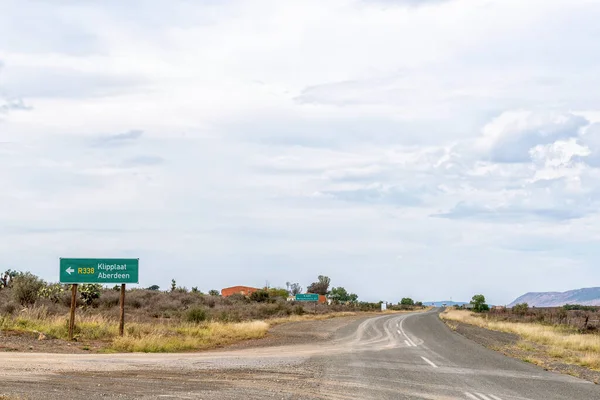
559,342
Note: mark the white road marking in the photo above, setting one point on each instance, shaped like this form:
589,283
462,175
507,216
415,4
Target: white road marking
481,396
404,333
432,364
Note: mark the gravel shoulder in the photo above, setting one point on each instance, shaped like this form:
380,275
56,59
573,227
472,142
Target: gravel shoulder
514,346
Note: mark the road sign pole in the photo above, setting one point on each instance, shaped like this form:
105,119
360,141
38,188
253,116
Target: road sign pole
122,318
73,306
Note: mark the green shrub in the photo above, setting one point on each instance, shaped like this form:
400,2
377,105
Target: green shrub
196,315
25,288
260,296
298,310
521,309
278,292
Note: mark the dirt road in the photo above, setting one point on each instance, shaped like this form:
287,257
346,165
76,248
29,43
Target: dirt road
405,356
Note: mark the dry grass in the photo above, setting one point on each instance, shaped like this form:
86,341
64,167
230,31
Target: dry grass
186,337
560,342
311,317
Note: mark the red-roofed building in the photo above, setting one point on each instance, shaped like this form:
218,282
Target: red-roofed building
243,290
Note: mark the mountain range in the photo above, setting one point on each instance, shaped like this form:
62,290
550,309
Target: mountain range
586,297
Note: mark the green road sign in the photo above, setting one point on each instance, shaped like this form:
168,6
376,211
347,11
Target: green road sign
99,270
307,297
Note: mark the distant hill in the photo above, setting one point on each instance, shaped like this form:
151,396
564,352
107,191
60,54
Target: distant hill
586,297
447,303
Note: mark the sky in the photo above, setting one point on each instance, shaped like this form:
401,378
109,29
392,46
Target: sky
428,149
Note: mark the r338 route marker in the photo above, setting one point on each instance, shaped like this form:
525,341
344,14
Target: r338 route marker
98,271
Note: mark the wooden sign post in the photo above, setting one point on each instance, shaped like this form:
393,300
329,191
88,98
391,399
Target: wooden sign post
73,307
122,316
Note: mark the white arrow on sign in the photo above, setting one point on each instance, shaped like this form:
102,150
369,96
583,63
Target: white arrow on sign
70,270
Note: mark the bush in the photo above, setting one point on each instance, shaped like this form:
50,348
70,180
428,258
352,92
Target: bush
8,308
278,292
25,288
231,316
298,310
260,296
573,307
211,302
134,303
196,315
109,300
521,309
238,298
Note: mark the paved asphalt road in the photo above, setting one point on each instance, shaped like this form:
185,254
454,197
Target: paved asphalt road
418,357
396,356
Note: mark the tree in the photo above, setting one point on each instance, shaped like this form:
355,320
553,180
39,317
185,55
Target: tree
407,301
340,294
479,304
321,286
293,288
173,285
213,292
154,287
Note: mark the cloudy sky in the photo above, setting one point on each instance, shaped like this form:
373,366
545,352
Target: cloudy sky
422,148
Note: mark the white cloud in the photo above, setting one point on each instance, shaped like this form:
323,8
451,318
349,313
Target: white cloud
511,136
280,140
